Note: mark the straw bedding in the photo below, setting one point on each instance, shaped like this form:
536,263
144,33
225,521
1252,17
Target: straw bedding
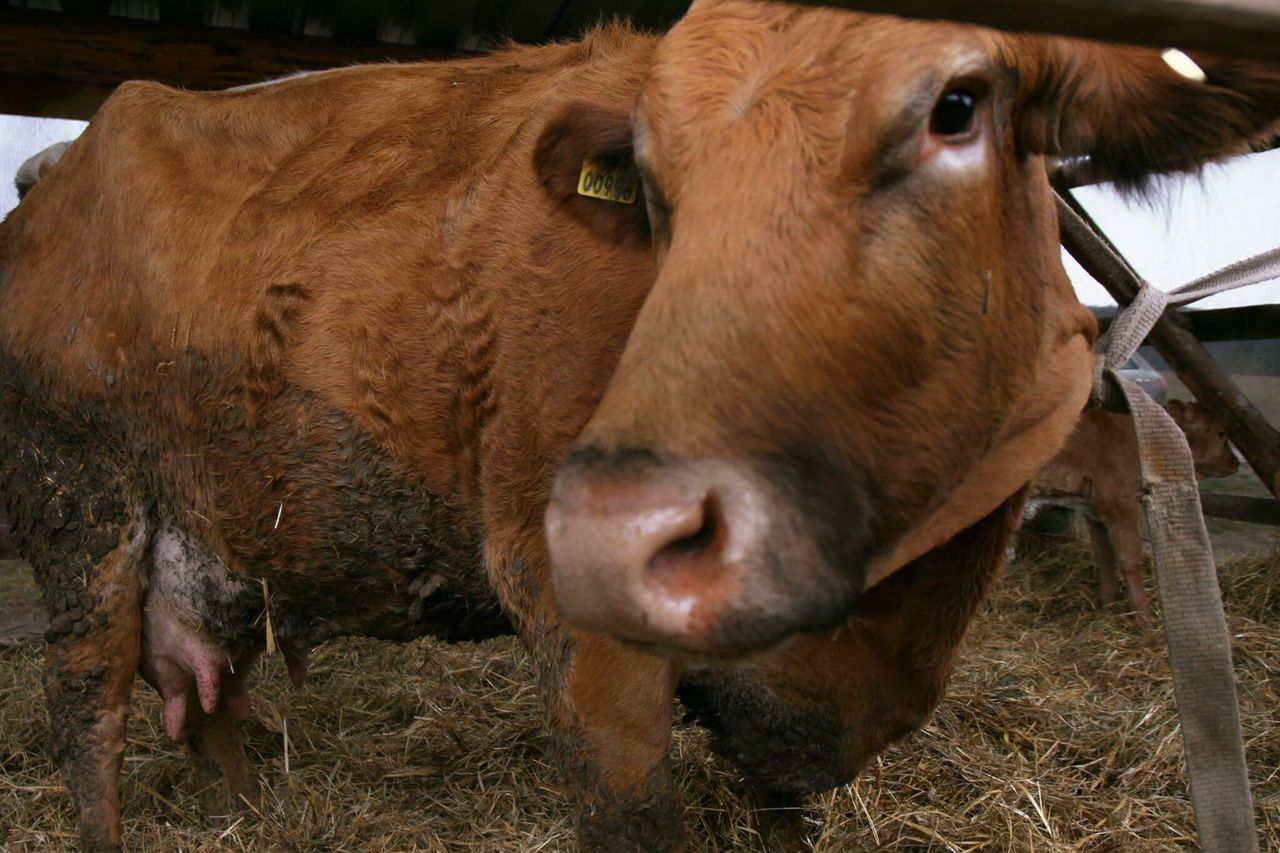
1058,733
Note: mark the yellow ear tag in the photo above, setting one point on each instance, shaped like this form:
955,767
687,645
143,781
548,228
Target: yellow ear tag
598,180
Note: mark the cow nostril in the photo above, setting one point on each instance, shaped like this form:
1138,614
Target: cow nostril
685,550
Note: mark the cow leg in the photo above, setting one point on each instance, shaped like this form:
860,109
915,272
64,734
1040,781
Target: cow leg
1126,544
812,715
612,724
1104,557
94,595
221,767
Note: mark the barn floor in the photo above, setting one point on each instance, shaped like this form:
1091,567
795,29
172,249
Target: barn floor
1058,734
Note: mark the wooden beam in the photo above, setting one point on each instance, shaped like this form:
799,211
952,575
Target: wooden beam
1249,29
521,20
578,16
659,15
51,100
73,51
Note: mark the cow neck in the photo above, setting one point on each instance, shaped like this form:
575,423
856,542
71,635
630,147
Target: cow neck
1042,420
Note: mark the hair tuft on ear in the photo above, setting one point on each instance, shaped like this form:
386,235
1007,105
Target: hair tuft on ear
1131,114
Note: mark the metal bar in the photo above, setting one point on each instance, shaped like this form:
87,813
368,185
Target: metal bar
1241,508
1249,29
1254,323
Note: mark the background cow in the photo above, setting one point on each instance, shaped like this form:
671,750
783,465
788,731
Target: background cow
308,364
1097,469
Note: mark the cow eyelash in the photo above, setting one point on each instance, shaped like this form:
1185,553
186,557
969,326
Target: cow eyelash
659,210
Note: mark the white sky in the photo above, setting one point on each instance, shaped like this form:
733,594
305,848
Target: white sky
1200,225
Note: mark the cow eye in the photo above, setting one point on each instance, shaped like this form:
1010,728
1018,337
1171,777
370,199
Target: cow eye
953,114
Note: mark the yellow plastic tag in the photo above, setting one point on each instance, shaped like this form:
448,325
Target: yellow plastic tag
598,180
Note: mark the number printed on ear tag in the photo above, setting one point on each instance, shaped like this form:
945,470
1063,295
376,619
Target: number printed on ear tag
598,180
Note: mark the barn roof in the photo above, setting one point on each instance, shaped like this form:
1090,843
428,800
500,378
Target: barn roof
61,57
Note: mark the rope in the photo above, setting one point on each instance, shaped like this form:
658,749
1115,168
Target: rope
1186,574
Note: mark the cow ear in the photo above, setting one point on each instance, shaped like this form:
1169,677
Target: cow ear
1134,112
1178,409
586,140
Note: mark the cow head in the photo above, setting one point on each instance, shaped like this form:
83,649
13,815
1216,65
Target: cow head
1207,437
861,339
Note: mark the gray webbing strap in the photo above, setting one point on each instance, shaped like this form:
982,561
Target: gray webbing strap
1260,267
1195,628
1186,574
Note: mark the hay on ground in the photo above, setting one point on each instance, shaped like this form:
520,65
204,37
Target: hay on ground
1058,733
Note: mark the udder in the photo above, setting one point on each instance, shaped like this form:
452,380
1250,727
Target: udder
193,670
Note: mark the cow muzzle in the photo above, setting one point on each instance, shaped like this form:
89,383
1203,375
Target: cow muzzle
682,557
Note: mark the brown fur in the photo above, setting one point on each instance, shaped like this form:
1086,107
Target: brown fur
335,331
1099,467
586,130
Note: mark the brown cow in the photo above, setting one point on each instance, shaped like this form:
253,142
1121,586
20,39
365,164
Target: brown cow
1098,469
330,334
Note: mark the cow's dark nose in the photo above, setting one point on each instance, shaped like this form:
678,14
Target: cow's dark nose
647,558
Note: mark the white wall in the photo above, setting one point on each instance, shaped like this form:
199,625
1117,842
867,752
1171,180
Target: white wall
1195,225
20,137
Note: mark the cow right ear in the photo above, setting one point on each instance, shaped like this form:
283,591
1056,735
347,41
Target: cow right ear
1135,112
1178,409
584,162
